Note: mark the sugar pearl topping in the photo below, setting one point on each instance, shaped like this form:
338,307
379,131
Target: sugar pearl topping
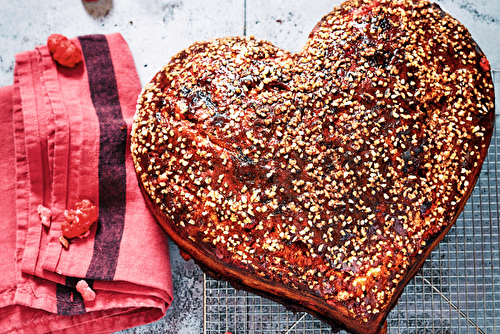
328,170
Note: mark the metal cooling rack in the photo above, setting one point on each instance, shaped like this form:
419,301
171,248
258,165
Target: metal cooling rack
456,291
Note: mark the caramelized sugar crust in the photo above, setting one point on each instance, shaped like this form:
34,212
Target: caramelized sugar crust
331,172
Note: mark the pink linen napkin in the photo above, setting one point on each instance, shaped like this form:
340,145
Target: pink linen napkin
65,138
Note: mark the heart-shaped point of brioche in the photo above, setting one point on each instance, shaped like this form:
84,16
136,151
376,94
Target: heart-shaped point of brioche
320,179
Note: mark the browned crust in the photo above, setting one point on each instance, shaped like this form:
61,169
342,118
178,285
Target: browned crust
297,296
292,299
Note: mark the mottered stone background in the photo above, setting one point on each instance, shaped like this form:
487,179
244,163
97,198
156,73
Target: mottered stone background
158,29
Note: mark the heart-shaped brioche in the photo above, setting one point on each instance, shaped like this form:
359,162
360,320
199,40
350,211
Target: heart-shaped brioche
321,179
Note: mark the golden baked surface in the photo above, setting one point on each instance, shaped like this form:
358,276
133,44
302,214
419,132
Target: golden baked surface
329,171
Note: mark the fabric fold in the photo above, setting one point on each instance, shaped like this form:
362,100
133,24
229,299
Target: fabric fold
67,135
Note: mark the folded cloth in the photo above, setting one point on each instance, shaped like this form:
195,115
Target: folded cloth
65,138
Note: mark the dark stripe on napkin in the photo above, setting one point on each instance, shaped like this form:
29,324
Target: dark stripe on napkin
69,301
112,173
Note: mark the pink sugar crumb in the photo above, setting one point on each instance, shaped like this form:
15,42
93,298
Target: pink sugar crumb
45,215
84,289
79,220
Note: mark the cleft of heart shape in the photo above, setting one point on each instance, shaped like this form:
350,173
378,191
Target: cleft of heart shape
322,178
